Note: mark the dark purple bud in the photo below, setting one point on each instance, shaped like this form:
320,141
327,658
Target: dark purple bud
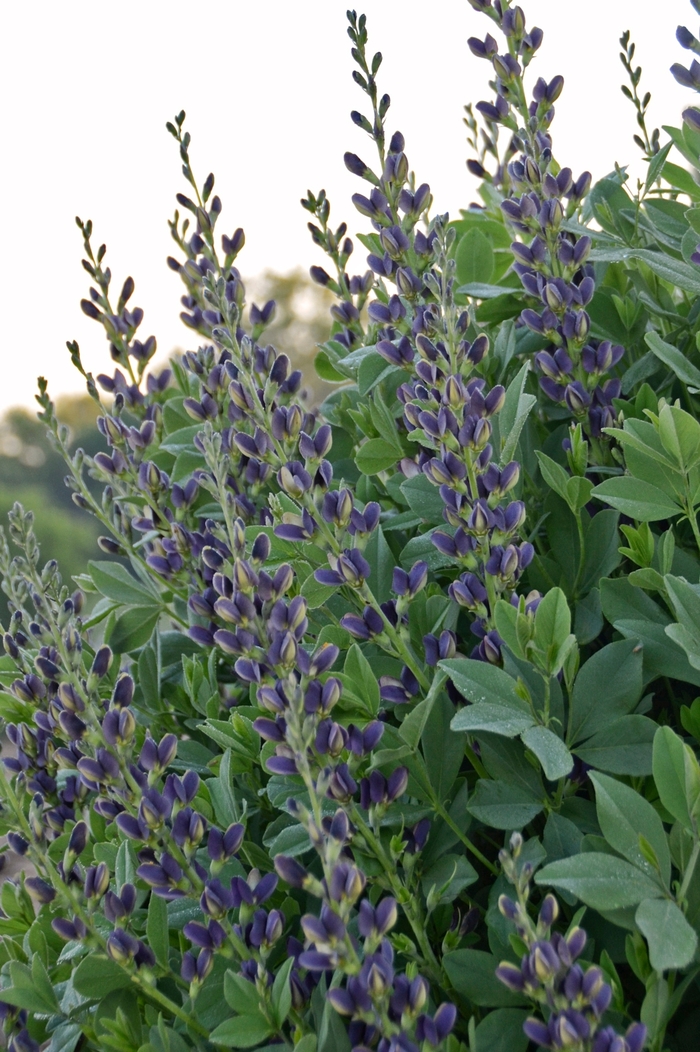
101,662
39,890
537,1031
78,838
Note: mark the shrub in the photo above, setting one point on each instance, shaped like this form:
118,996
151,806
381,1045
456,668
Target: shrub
365,682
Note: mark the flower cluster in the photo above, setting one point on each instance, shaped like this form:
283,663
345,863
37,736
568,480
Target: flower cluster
573,999
551,264
447,408
454,419
86,753
120,323
689,78
209,796
265,632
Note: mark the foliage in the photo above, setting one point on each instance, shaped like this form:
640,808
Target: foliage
369,681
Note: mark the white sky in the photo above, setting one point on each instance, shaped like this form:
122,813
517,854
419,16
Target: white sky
87,88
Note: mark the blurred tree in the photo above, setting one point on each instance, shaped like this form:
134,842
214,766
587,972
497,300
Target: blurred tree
32,473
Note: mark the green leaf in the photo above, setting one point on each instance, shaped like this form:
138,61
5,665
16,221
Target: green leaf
553,473
182,440
65,1037
450,875
307,1044
620,600
413,726
365,686
623,814
588,617
636,498
672,941
693,217
424,499
680,435
292,840
675,775
325,368
479,290
515,411
474,258
680,275
681,179
133,628
381,560
243,1031
473,975
508,624
282,992
125,865
578,492
157,929
502,1031
375,456
187,463
561,837
601,881
550,750
115,582
505,760
497,719
552,635
552,620
686,606
503,806
373,370
480,682
316,594
96,976
608,686
662,656
443,751
673,358
622,747
656,164
241,995
31,988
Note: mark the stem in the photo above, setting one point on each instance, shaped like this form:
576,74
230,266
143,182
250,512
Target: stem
547,699
692,519
582,554
398,643
413,916
447,818
690,869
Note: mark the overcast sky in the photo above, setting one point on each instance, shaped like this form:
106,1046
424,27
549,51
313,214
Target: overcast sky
87,88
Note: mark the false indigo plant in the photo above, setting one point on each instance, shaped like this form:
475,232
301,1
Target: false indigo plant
296,765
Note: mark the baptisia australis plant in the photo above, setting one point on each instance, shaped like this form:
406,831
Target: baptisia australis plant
552,262
265,761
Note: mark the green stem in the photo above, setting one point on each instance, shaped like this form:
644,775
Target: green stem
475,761
547,699
689,870
413,915
692,519
449,821
582,553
